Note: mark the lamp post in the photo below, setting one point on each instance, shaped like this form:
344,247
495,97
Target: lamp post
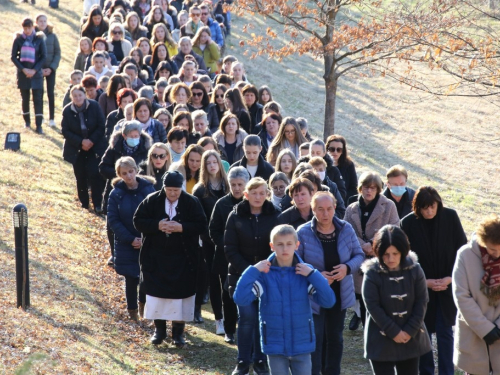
20,220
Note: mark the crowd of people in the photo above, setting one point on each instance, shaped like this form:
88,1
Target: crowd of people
211,194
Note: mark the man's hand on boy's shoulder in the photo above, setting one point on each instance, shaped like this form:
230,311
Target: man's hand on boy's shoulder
303,269
263,266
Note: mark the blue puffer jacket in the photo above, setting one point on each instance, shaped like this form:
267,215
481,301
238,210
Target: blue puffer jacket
286,323
350,253
122,204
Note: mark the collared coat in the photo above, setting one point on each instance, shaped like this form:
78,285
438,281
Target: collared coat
35,82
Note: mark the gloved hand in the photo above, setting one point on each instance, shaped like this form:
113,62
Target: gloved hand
492,336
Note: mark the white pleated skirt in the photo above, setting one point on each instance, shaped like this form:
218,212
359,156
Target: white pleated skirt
169,309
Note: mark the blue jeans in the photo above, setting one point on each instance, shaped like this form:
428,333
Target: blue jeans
281,365
249,335
329,326
444,336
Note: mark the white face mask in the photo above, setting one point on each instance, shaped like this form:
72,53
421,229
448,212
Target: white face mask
322,175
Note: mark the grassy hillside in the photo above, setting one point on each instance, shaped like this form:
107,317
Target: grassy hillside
78,323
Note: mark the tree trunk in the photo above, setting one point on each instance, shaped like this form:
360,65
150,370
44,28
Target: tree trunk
330,96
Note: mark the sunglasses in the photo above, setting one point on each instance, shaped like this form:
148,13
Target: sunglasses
219,96
116,32
160,156
204,14
197,94
195,14
333,149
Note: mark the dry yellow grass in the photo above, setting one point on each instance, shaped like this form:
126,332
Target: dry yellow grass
77,319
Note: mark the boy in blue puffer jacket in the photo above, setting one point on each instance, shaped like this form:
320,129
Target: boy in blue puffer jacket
283,284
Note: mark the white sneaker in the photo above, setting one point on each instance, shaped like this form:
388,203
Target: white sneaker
52,123
219,327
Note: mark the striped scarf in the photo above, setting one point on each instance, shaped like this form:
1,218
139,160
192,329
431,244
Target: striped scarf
490,283
28,49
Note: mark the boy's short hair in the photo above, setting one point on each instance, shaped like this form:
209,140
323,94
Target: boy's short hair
75,72
223,79
103,79
89,81
304,146
317,161
229,59
396,171
131,67
252,140
98,54
283,230
27,22
177,134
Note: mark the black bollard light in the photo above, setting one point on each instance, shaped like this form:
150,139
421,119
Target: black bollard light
20,220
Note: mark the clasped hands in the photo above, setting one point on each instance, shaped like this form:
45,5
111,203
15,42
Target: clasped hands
169,226
438,285
337,273
402,337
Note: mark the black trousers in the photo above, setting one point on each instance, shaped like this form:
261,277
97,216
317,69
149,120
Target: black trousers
37,102
51,84
86,170
406,367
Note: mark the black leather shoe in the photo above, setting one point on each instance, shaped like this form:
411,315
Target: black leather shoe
261,368
354,323
160,332
178,334
197,314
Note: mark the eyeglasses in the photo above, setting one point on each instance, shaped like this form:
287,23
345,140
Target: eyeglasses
197,94
290,132
116,32
333,149
161,156
195,14
279,188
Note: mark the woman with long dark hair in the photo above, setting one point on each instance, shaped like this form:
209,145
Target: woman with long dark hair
107,100
436,234
160,53
96,25
336,146
201,100
234,103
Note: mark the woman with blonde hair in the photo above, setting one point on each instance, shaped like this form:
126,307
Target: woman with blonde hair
160,34
134,27
286,163
129,190
117,42
204,46
83,52
158,162
289,136
211,187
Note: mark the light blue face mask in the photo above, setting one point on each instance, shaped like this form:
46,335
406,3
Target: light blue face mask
398,191
132,142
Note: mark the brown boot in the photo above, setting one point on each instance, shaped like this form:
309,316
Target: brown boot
134,315
141,309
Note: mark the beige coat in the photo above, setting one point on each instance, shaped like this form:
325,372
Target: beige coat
385,212
476,318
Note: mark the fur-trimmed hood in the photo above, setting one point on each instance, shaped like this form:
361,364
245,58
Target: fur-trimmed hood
373,264
38,34
117,137
219,137
48,30
179,167
142,180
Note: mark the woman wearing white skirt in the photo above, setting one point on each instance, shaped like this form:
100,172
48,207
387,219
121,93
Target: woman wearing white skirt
171,222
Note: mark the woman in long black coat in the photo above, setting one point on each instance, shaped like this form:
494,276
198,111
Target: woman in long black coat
171,222
29,53
83,130
237,178
436,234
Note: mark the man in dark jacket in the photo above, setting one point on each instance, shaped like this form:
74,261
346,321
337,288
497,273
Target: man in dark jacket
253,161
51,62
83,130
28,54
397,191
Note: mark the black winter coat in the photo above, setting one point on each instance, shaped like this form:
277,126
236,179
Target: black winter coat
332,186
350,178
264,169
247,237
217,225
256,114
437,257
212,116
245,121
35,82
158,185
72,131
208,204
331,171
404,205
169,263
112,120
291,216
180,57
395,301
